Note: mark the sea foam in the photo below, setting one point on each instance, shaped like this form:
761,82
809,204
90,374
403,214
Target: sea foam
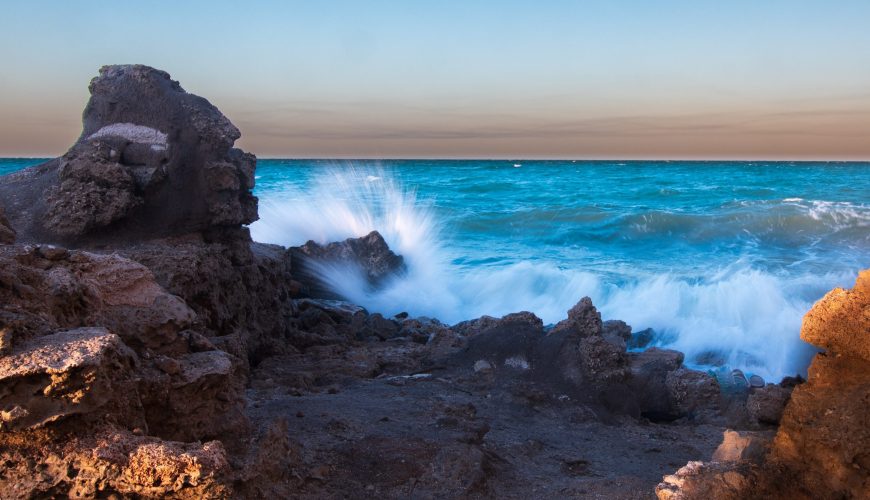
736,314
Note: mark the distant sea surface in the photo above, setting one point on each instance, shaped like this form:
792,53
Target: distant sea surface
721,259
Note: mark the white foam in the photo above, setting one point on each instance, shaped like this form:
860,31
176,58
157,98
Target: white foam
748,317
133,133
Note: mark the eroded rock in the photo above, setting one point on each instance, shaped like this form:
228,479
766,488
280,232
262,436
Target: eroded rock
152,161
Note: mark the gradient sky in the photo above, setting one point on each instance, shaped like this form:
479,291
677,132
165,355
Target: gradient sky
582,79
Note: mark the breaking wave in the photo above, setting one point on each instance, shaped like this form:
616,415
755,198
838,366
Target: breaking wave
745,316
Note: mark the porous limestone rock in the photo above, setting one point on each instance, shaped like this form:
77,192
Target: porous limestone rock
73,372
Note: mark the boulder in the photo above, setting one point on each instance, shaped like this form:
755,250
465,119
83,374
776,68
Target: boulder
152,161
765,405
369,256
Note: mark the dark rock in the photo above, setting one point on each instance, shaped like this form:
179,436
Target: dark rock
616,332
649,373
480,325
641,339
152,161
766,404
7,234
369,256
693,393
583,319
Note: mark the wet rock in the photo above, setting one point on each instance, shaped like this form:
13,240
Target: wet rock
483,324
369,256
616,332
145,147
765,405
641,339
583,320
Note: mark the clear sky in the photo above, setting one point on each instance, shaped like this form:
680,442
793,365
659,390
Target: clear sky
578,79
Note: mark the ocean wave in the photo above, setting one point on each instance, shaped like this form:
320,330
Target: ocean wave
748,317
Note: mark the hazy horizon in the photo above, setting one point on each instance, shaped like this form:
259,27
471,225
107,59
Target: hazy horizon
676,80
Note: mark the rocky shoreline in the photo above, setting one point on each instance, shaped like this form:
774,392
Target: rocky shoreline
149,348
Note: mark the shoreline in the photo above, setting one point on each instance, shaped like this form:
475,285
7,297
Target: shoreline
156,350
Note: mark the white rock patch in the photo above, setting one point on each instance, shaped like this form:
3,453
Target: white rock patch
517,362
133,133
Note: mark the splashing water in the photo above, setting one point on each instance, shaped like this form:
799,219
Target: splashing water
733,280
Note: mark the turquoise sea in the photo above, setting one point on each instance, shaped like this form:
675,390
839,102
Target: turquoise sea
718,258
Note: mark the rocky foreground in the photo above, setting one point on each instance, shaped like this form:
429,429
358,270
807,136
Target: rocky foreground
149,348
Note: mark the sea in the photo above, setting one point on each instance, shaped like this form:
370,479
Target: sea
720,258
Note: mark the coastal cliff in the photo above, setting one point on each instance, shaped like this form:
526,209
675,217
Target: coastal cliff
149,348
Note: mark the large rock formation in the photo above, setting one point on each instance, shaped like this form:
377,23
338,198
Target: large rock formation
152,160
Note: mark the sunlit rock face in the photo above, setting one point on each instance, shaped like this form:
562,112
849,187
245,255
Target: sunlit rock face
152,161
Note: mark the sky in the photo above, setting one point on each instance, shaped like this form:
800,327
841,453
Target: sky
742,79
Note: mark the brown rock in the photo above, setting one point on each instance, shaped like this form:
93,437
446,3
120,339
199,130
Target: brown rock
765,405
742,446
68,373
840,321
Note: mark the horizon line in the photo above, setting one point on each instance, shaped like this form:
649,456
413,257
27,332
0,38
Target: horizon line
519,158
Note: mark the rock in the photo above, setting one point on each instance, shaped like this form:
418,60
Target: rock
840,321
820,448
616,332
74,372
765,405
649,372
583,319
115,462
152,161
369,256
7,234
483,366
483,324
641,339
693,393
742,446
719,480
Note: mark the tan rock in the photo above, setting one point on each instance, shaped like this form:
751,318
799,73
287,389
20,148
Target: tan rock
840,321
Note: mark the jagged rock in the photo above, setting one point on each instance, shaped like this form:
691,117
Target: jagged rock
7,234
641,339
583,319
765,405
616,332
840,321
369,256
74,372
152,161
